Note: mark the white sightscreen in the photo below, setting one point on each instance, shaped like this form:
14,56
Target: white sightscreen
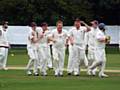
18,34
113,31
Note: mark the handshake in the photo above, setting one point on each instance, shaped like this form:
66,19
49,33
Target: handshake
108,38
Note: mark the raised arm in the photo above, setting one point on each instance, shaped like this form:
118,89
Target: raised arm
87,26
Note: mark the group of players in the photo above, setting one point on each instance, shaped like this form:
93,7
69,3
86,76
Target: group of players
77,38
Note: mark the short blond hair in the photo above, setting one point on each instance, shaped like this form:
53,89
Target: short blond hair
59,22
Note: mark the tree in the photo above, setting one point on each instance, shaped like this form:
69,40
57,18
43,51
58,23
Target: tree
22,12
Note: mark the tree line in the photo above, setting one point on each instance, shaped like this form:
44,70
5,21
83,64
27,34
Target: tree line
22,12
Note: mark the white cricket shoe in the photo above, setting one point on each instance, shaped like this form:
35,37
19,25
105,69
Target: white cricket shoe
29,73
93,72
43,74
89,72
4,68
61,74
76,74
103,75
36,74
56,74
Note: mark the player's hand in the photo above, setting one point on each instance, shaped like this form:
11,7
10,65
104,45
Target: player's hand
41,35
108,38
82,22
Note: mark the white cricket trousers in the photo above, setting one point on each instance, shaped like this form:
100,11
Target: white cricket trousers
58,60
49,64
100,60
91,57
43,57
33,61
70,66
79,58
3,57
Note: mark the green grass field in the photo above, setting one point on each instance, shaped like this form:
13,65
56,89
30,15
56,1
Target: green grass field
18,80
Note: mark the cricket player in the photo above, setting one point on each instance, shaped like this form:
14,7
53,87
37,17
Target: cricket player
60,41
43,50
101,40
4,45
91,45
32,46
78,35
70,67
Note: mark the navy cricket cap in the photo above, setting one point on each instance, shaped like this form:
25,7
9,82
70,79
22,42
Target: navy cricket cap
101,26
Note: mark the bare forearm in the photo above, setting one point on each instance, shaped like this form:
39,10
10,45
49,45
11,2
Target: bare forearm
87,26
